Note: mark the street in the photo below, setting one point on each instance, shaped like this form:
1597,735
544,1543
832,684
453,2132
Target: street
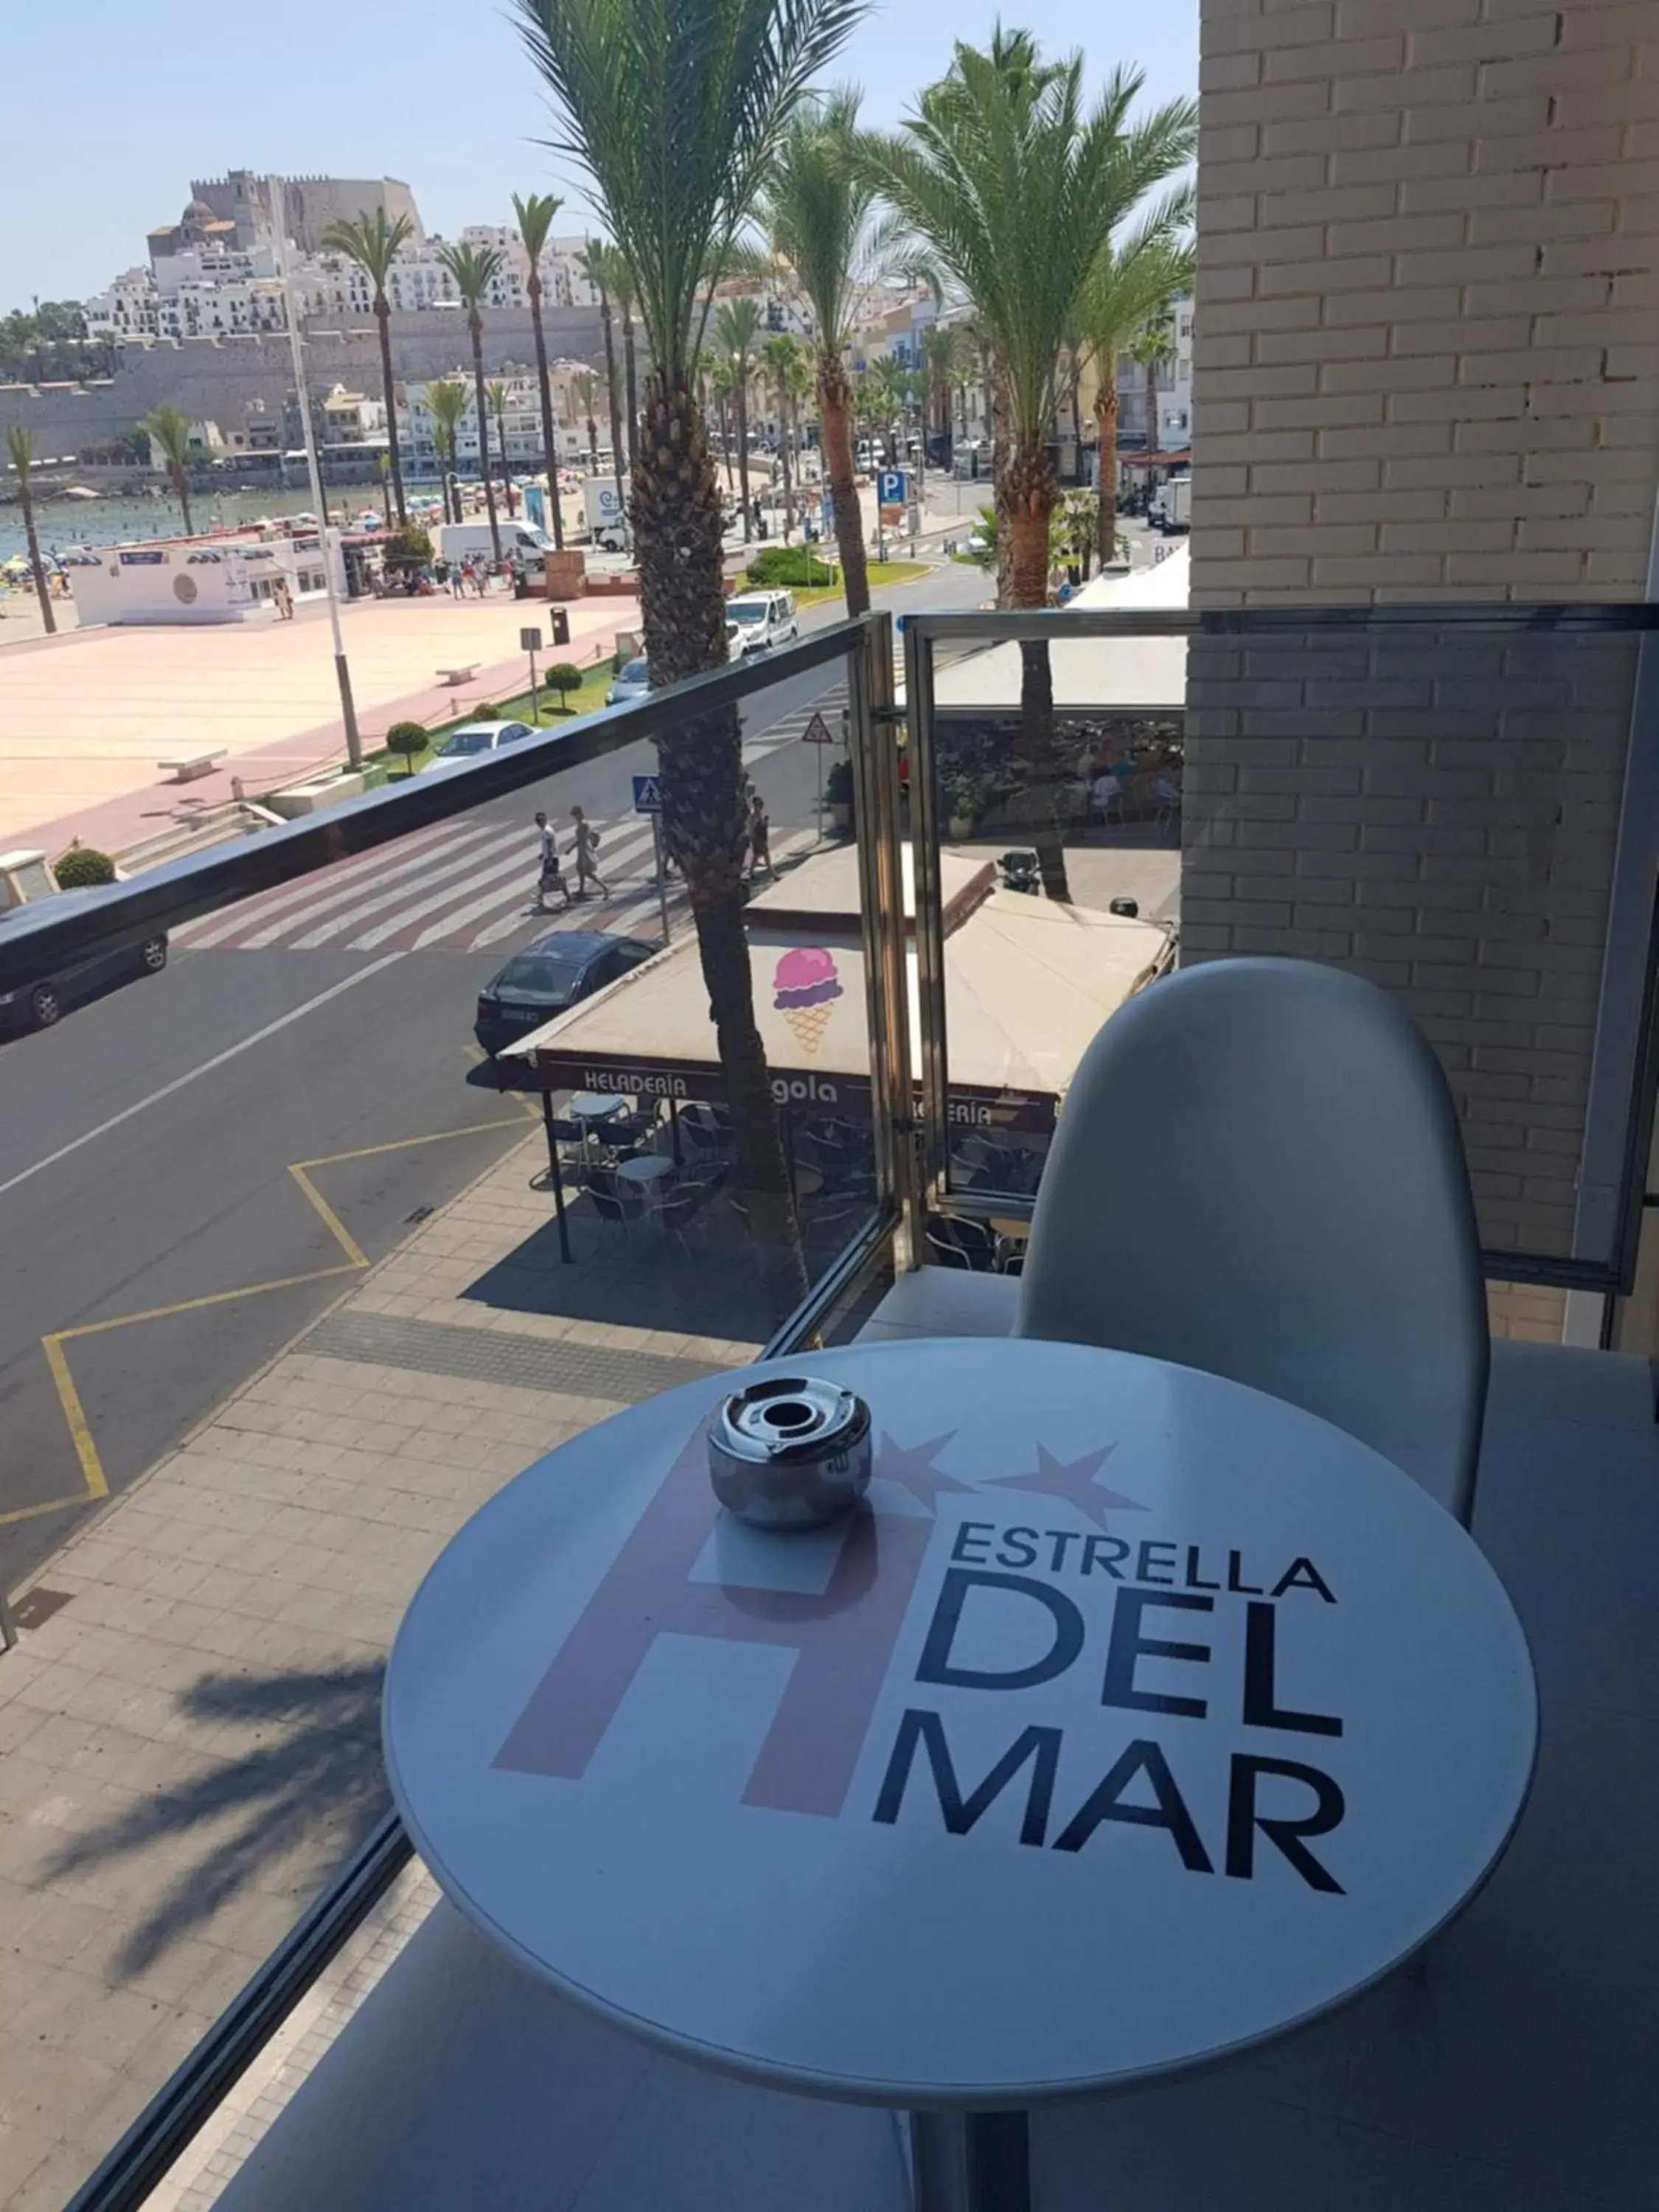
192,1167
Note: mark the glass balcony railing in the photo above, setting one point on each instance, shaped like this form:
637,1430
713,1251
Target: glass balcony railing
346,1167
322,1231
1452,802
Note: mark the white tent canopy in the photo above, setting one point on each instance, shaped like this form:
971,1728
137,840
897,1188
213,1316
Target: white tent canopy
1112,675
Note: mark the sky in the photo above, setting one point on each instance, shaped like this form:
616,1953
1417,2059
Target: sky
98,151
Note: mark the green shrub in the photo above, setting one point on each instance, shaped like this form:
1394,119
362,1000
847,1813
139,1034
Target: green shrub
407,739
562,677
780,567
487,710
82,867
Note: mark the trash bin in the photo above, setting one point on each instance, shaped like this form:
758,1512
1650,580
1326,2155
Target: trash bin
560,627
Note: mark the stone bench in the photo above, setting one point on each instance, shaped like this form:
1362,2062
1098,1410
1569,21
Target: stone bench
187,771
453,677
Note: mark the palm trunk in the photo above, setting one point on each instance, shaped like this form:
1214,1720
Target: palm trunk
1000,466
1152,413
506,473
740,391
726,440
1106,455
783,458
26,500
1029,499
549,440
383,317
630,385
476,323
614,398
836,429
1077,421
677,516
181,485
593,446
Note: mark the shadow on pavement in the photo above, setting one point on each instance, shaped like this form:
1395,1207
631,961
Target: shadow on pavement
297,1801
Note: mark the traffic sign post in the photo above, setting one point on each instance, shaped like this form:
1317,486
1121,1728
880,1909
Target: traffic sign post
648,800
530,642
817,734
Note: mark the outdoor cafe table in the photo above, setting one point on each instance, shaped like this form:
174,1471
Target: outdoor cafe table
1138,1719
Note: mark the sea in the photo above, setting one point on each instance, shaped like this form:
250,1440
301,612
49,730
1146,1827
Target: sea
64,523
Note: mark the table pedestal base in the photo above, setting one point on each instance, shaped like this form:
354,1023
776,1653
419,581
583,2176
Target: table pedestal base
969,2162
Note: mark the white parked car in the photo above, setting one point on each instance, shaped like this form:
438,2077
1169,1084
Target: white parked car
763,619
476,739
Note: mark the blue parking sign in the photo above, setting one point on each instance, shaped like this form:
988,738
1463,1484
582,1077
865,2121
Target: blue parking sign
648,800
889,487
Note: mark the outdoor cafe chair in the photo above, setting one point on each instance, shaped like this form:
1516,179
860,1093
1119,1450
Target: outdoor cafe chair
1299,1217
961,1243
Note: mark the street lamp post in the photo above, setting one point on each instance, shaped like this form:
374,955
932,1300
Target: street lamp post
343,673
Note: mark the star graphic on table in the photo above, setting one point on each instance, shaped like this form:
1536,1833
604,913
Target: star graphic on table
1073,1481
912,1466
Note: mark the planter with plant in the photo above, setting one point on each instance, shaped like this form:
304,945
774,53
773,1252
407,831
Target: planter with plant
406,739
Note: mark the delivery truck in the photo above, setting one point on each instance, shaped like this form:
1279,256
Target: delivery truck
605,515
524,547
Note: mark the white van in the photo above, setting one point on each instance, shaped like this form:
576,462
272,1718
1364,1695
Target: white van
522,545
763,619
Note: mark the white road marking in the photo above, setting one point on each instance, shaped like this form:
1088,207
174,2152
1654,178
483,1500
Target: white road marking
513,844
325,898
205,1067
345,884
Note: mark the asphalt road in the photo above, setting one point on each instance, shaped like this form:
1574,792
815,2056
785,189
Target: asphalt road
147,1143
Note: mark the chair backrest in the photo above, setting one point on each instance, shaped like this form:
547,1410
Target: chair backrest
607,1205
1258,1172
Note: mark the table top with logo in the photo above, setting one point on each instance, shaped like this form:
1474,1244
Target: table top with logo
1136,1718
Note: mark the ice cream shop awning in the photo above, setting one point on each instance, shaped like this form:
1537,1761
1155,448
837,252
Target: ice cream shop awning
1027,986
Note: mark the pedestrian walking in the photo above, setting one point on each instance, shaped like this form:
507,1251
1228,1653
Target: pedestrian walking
551,875
582,853
760,840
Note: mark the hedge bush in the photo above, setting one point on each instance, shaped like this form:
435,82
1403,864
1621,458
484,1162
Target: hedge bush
487,710
781,567
82,867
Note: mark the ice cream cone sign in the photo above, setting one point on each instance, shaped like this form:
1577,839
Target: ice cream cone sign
804,989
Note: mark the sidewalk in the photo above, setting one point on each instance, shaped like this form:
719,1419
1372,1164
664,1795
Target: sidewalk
189,1730
84,718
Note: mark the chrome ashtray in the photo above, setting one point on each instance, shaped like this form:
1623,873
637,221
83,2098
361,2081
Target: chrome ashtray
790,1452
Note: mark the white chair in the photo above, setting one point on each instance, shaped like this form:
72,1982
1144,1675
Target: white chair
1258,1172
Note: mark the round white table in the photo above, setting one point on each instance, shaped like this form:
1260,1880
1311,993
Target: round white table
1140,1719
649,1170
597,1106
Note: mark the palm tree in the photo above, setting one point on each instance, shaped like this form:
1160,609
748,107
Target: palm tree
596,265
584,390
474,269
20,445
939,348
622,291
534,217
1017,190
168,432
446,402
1132,283
737,325
720,382
816,214
675,108
497,392
780,362
374,244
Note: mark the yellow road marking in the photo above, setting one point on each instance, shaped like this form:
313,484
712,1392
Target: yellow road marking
357,1260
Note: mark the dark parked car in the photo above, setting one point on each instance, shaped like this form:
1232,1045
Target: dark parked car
548,976
37,1006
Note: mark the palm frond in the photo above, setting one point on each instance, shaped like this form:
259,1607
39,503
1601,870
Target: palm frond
674,109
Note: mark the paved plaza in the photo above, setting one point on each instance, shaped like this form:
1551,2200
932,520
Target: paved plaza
85,718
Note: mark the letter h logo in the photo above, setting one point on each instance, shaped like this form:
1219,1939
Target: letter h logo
843,1640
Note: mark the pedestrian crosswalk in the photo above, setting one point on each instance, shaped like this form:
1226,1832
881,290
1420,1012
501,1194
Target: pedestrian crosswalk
462,887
